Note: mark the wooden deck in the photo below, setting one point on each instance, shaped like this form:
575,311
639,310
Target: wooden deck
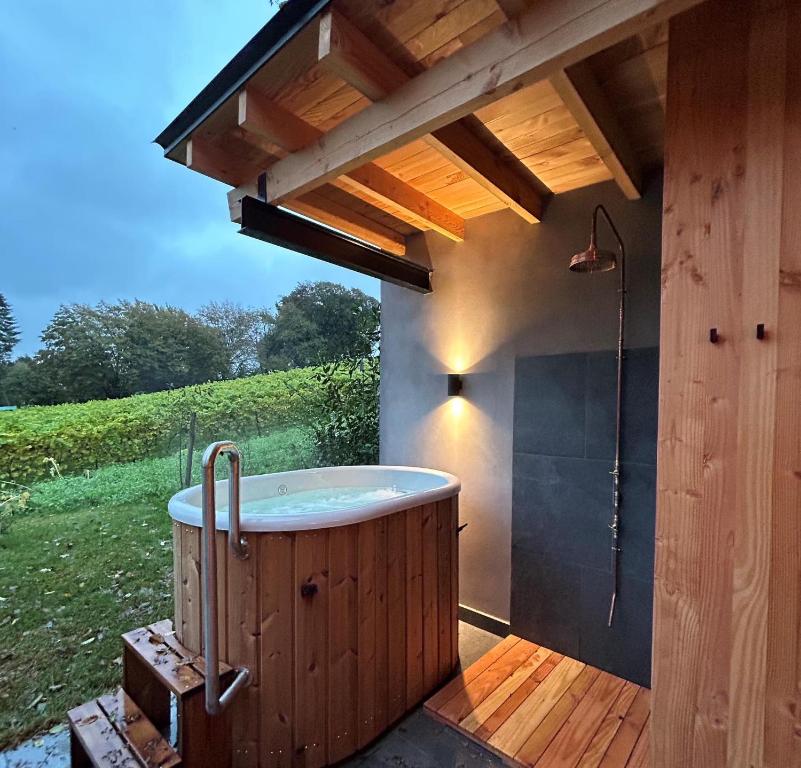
535,707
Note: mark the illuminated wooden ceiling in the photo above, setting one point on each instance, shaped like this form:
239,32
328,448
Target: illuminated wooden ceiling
601,119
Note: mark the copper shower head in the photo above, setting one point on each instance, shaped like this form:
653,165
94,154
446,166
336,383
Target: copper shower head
596,259
593,260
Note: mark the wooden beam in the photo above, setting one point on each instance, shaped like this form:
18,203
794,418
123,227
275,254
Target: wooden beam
263,117
317,206
588,104
206,158
552,35
348,54
512,8
351,56
268,223
472,147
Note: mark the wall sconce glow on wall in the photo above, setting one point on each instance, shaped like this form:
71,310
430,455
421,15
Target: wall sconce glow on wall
455,384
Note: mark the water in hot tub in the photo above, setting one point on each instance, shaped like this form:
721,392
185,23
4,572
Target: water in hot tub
320,500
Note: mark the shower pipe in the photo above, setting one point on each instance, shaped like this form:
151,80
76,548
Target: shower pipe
595,260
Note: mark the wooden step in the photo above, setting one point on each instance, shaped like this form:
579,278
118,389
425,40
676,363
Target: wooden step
113,731
176,667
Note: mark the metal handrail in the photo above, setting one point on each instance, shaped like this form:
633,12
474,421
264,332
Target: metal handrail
215,703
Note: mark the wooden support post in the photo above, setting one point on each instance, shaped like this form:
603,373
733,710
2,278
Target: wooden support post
727,604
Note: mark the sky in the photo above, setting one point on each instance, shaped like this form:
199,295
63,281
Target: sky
90,210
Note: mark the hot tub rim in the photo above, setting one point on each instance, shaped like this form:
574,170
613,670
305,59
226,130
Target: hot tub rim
182,511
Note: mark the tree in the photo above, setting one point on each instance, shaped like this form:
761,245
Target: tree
317,323
114,350
79,357
241,329
9,331
164,348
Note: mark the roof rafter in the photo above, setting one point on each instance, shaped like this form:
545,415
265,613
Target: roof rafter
263,117
350,55
588,104
552,35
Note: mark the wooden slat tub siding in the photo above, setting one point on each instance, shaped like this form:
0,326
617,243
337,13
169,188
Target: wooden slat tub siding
334,669
430,597
343,639
276,553
177,581
396,616
414,606
244,629
445,661
367,632
381,628
311,649
191,614
454,581
222,592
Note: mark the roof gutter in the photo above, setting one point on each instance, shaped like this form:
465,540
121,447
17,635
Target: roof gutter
273,36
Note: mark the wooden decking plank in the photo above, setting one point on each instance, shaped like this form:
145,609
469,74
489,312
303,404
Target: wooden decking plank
455,686
475,719
98,738
149,746
641,755
609,727
531,751
513,734
502,714
536,708
478,689
576,734
629,732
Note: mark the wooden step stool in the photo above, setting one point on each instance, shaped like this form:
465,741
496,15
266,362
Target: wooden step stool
113,731
155,664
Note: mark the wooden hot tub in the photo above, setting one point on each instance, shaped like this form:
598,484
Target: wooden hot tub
346,617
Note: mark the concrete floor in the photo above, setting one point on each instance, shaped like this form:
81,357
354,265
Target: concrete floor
416,742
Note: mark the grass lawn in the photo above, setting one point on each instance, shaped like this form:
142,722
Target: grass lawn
92,560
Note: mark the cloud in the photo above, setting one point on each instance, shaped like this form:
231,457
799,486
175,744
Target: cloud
91,209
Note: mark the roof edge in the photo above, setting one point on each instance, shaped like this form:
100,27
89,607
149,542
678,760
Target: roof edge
276,33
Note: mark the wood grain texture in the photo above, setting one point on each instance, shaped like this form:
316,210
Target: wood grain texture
534,707
509,59
320,618
343,642
277,638
724,593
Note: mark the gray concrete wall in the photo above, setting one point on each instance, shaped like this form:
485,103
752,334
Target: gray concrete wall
504,293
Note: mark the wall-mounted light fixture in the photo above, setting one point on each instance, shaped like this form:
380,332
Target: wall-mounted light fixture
455,384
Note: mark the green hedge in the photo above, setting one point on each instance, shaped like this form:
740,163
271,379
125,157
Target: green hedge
85,436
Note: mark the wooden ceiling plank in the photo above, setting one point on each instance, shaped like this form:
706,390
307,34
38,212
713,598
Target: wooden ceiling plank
261,116
588,104
351,56
545,39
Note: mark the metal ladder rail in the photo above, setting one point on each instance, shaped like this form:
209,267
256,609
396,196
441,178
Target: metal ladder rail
216,703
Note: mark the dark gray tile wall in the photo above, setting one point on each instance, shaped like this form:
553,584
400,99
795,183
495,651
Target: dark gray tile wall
564,421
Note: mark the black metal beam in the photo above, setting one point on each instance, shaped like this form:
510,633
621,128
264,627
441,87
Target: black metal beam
268,223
